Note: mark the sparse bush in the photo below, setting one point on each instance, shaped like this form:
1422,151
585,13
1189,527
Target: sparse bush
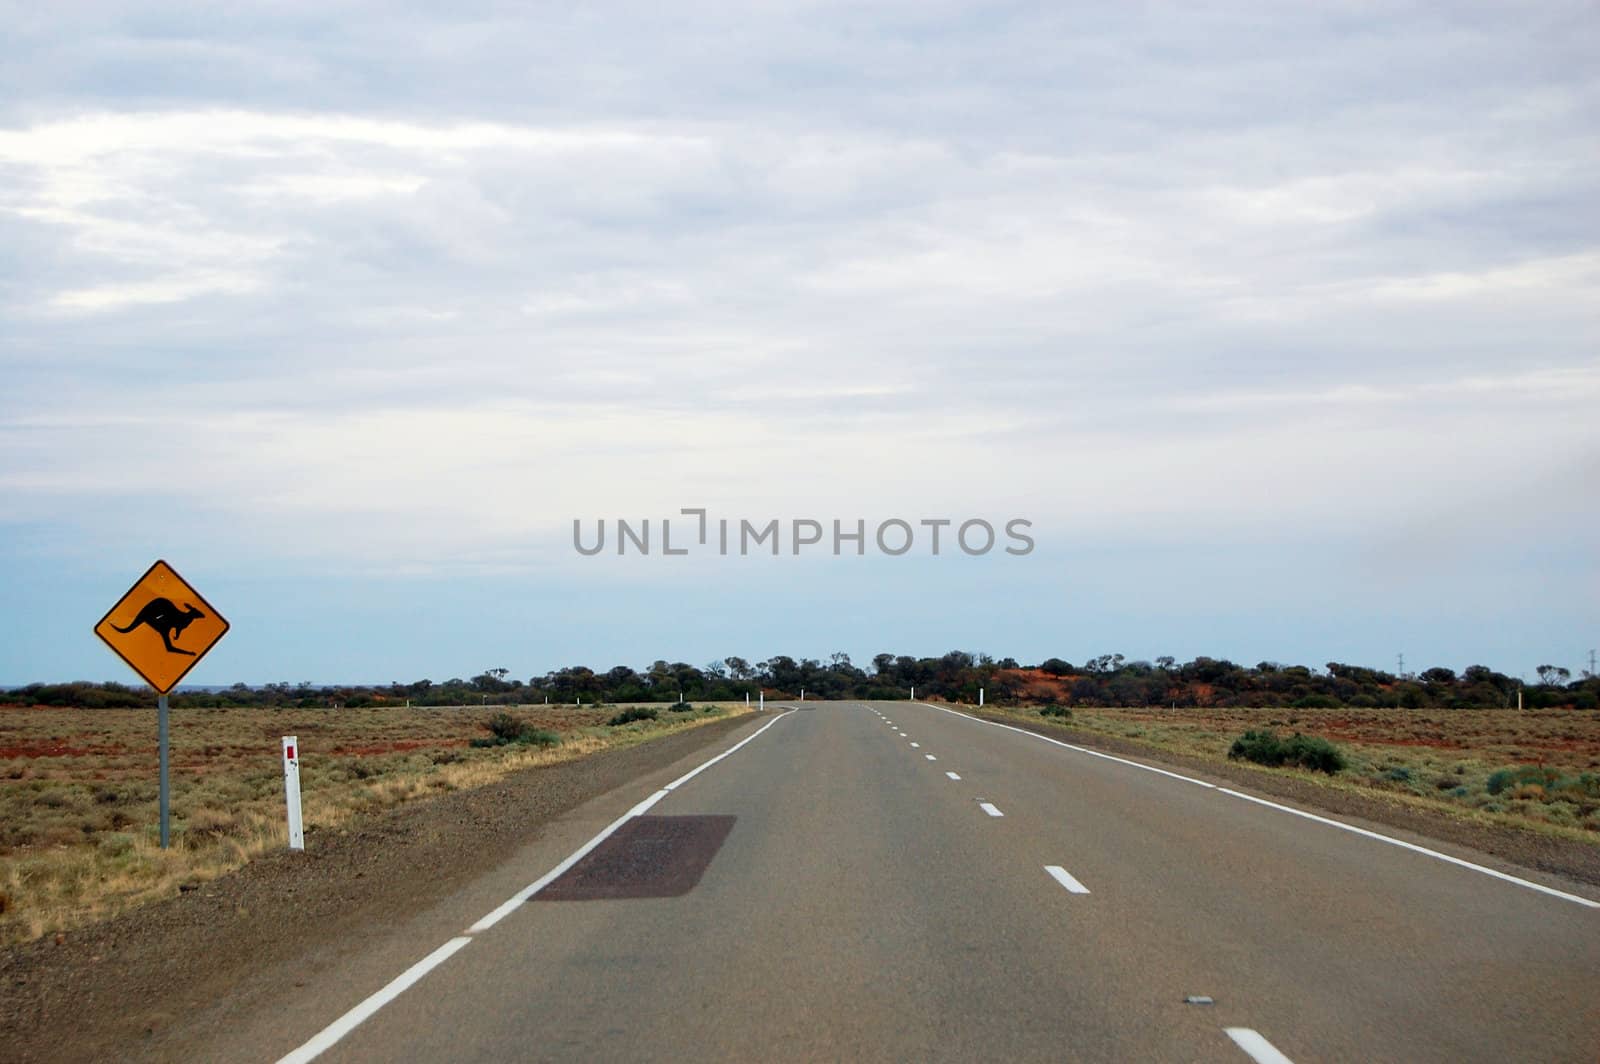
210,823
1546,779
504,727
117,844
1398,775
506,730
1061,712
632,714
681,707
1267,748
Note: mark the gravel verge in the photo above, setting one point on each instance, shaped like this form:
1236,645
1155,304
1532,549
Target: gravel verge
103,992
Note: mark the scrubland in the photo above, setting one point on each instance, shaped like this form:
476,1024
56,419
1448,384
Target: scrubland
1537,768
79,836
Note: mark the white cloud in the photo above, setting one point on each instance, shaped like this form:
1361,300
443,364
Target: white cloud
169,290
1132,269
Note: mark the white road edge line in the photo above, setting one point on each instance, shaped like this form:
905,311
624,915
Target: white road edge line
1065,878
331,1034
336,1030
989,807
1435,854
952,775
1260,1050
1528,883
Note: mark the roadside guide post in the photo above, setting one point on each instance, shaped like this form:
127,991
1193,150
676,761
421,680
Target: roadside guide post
980,696
144,629
291,791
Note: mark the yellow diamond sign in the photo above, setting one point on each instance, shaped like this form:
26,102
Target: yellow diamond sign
162,627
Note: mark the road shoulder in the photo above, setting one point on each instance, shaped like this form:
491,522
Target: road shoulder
127,987
1571,859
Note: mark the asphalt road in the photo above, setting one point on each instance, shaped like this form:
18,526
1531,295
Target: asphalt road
861,905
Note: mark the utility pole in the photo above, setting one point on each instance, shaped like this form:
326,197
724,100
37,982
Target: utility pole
1591,663
1402,666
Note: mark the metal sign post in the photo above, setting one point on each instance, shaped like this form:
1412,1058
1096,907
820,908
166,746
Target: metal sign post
166,791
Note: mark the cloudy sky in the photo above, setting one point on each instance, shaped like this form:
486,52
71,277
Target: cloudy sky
1278,322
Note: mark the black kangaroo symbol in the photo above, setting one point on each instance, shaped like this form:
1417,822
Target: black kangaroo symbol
167,619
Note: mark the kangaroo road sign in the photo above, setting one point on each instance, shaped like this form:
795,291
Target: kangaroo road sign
162,627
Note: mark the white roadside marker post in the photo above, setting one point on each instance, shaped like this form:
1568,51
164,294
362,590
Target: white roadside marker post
980,696
913,692
291,792
763,700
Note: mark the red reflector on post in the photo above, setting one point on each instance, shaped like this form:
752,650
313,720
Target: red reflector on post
289,753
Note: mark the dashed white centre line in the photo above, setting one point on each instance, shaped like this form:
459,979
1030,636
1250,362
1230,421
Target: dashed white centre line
916,746
1260,1050
930,757
989,807
1065,878
952,775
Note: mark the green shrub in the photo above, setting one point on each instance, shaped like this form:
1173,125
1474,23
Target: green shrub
1551,780
1317,702
1398,775
681,707
1056,711
627,716
1305,751
504,727
539,737
1506,779
506,730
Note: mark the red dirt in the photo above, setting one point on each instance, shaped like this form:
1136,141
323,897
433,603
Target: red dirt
1367,740
1036,683
396,747
56,749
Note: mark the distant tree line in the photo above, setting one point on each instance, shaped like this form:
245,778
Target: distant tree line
1107,680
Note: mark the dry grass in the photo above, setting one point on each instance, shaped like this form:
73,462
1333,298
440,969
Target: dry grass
1444,760
79,836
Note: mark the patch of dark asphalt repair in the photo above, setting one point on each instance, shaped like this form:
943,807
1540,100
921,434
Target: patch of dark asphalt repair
648,857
